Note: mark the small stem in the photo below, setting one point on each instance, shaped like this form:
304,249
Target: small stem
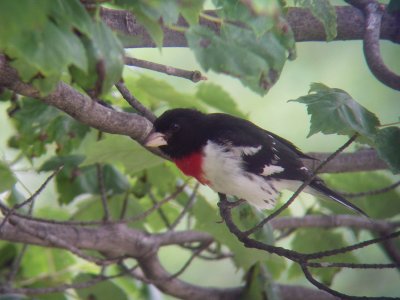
103,192
194,76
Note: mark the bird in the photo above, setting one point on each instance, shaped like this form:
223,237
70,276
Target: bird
233,156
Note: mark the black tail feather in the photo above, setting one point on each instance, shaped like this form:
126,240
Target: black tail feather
320,187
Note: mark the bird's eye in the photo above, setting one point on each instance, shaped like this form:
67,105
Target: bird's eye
175,127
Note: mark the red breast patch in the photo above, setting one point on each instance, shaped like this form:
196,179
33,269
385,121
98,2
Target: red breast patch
191,165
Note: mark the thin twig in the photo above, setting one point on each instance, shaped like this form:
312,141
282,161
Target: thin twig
160,211
155,207
372,192
17,261
125,204
194,76
103,192
325,288
351,265
32,198
373,12
353,247
189,261
187,207
304,185
135,103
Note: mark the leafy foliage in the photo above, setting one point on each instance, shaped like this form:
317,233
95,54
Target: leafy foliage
324,12
7,177
260,286
42,48
149,13
333,111
55,40
387,142
257,49
40,126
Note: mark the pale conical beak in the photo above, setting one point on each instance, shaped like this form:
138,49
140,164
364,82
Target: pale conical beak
155,139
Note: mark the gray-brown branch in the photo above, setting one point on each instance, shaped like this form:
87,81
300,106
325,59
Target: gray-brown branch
350,26
122,241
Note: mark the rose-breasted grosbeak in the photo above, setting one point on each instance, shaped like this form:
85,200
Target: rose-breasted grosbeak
235,157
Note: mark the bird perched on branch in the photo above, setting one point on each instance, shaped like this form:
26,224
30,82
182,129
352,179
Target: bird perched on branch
235,157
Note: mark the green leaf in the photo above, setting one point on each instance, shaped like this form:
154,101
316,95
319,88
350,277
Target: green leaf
381,206
214,96
57,161
163,176
387,143
315,239
15,196
334,111
45,42
325,12
40,125
153,28
105,60
72,183
256,61
73,13
5,94
150,12
49,52
91,209
8,252
10,11
104,290
38,261
260,284
114,149
55,36
7,177
156,91
256,18
191,9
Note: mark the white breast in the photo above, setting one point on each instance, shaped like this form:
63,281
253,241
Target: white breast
222,168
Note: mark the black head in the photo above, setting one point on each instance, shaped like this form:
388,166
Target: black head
180,132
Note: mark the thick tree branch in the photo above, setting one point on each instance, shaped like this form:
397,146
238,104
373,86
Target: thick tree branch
332,221
305,26
79,106
373,12
358,161
141,246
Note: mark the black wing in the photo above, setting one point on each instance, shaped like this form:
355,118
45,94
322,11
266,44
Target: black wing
276,157
275,151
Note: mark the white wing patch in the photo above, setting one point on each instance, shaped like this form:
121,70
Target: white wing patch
246,150
224,172
271,169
